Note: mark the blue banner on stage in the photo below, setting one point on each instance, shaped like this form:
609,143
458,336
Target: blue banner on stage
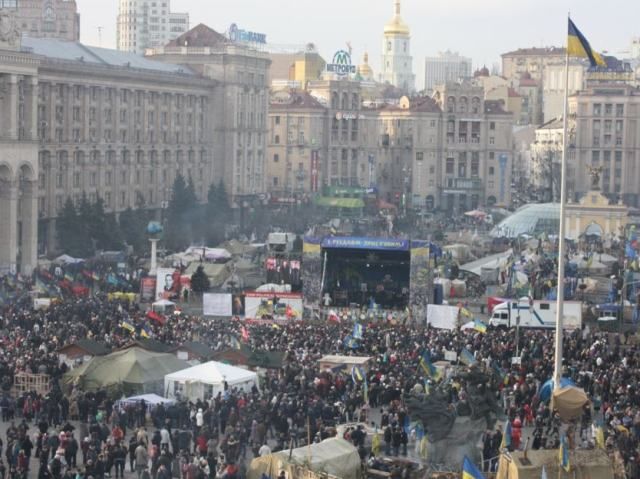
351,242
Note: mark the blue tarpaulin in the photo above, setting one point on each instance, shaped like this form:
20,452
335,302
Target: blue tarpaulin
547,388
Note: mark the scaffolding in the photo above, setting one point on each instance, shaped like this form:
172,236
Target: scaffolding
26,382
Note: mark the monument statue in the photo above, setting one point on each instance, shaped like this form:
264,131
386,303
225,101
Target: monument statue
595,172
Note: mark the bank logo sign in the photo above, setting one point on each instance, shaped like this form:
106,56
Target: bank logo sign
243,36
341,64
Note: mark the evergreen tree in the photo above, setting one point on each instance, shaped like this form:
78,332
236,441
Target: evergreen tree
70,231
181,214
133,228
200,281
217,213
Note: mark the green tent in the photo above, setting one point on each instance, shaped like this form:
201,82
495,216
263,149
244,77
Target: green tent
129,371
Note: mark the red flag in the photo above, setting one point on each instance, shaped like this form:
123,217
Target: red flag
158,318
245,334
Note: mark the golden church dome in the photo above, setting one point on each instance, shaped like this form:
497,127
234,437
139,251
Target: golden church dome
396,26
364,69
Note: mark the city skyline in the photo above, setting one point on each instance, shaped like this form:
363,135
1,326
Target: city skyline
428,38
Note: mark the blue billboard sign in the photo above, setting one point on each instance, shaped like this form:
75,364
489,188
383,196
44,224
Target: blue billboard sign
353,242
341,64
244,36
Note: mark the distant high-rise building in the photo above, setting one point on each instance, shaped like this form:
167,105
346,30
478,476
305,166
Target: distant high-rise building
397,62
445,67
148,24
45,18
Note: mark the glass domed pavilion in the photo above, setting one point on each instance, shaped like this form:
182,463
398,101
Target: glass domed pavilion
533,220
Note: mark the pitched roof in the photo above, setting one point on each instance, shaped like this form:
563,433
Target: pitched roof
424,104
149,344
84,54
299,100
536,51
199,36
512,93
89,345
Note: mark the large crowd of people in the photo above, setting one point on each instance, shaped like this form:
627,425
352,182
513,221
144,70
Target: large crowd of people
82,434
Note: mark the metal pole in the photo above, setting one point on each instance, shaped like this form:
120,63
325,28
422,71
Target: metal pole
557,374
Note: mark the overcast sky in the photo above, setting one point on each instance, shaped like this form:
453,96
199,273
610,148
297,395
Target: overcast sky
480,29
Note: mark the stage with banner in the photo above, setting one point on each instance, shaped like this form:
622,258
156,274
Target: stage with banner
365,277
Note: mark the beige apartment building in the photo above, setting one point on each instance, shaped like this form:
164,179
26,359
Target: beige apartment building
453,151
297,134
605,132
477,151
241,99
45,18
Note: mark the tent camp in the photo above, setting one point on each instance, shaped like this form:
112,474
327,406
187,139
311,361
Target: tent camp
130,371
334,456
206,380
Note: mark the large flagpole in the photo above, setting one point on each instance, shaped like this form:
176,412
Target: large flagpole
557,373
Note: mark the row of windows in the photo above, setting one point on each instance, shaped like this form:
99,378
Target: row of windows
139,98
608,109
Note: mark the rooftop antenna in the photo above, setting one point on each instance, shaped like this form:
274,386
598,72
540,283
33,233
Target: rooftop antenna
100,36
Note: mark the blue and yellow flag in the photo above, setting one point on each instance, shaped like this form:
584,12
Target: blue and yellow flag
429,369
578,46
563,454
506,435
146,332
358,331
470,470
479,326
466,357
357,374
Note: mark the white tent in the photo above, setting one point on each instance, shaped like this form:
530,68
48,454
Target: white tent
206,380
152,400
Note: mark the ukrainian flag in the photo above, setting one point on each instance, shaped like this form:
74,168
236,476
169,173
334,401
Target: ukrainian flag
563,454
146,332
578,46
357,374
479,326
428,368
470,471
358,331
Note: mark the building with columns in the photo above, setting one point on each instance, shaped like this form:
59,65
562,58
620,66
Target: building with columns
81,120
19,168
397,62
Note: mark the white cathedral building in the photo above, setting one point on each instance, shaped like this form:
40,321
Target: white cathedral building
397,62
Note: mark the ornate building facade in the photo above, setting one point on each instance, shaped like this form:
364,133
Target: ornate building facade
81,120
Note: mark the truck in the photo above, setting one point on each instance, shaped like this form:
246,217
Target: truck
535,314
